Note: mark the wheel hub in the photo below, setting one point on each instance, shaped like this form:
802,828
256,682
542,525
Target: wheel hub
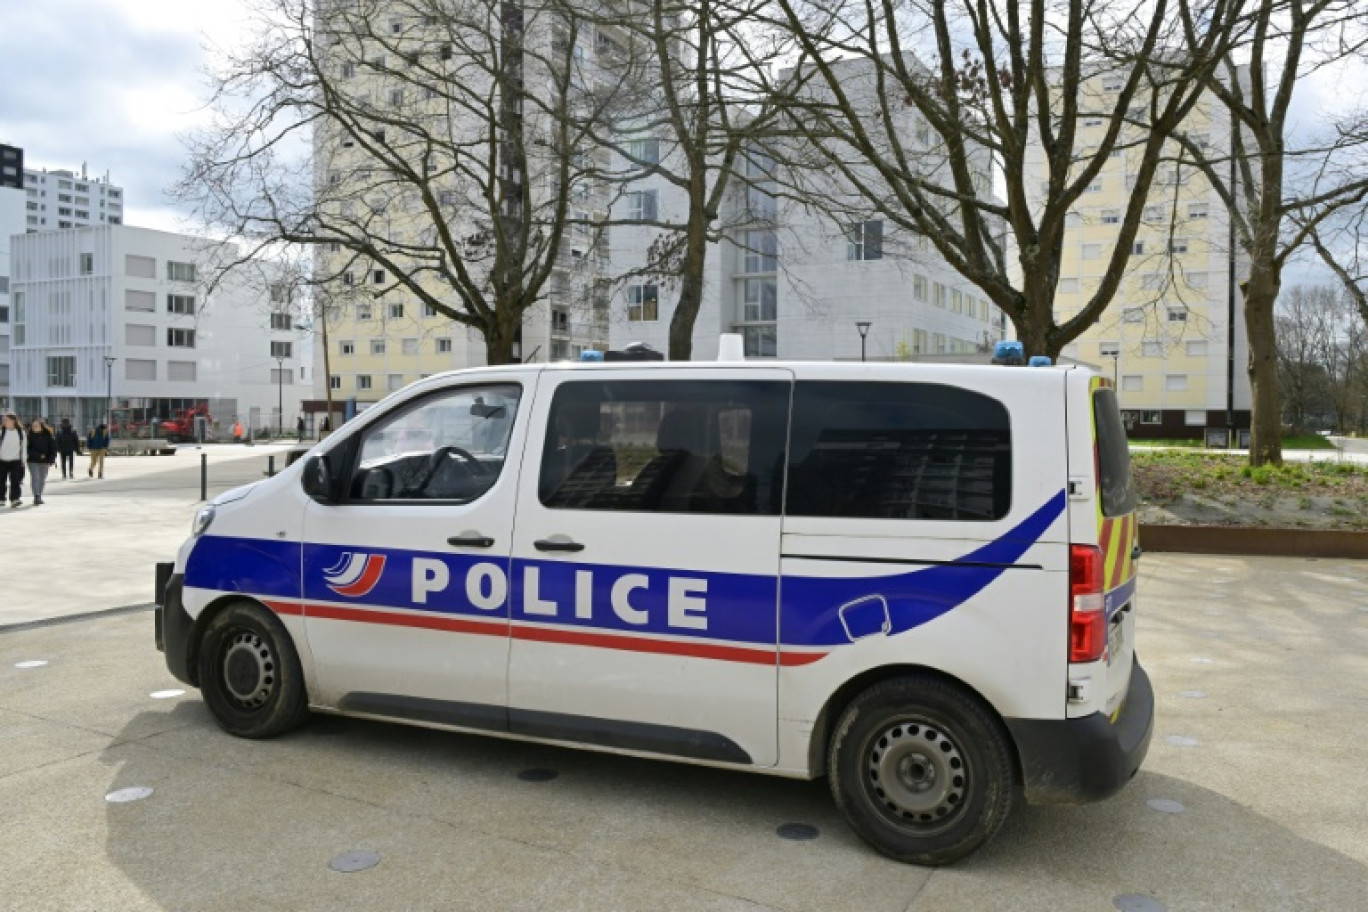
916,774
248,669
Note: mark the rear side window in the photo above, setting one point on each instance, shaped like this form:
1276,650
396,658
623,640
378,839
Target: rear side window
898,451
1113,456
666,446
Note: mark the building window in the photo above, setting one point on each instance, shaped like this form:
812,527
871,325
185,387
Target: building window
180,304
760,341
347,348
898,451
644,151
377,346
140,267
641,205
378,276
140,300
335,382
139,369
140,335
1194,418
864,240
180,338
1068,286
1177,315
180,272
282,349
363,312
281,320
410,346
1109,349
87,264
1175,383
61,370
1152,416
363,381
394,382
1152,349
1111,217
1197,210
1197,348
759,301
181,370
956,301
1178,245
643,303
1133,315
282,376
429,310
1092,251
1133,383
396,311
918,288
939,295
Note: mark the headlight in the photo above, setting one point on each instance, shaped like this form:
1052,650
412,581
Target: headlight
203,519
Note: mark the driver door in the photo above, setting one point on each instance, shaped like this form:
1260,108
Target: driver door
405,580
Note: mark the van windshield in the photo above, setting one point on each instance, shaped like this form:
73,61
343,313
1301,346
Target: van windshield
1113,456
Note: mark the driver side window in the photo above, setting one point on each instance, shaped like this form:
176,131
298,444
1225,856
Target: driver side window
447,447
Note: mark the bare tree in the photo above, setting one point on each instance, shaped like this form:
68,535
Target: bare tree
429,147
921,103
1278,189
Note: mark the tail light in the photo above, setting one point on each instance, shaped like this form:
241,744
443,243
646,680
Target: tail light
1087,607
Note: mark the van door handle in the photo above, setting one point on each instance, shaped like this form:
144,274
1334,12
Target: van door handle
550,544
470,541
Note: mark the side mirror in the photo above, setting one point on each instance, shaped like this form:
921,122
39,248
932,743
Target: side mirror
317,479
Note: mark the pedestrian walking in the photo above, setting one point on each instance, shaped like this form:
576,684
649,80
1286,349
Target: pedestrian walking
11,458
68,445
237,431
97,441
325,427
299,429
42,453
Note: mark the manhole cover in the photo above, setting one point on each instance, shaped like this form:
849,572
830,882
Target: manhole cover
125,795
349,862
1165,805
798,831
1135,902
538,775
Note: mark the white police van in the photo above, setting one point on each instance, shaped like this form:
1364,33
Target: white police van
917,580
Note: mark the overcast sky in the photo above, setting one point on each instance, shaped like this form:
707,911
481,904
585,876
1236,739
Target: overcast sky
112,84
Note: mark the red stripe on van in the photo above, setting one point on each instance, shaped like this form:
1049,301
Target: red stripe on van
550,635
666,647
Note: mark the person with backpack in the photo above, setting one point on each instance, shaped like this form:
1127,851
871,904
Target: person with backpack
68,445
11,458
42,453
97,441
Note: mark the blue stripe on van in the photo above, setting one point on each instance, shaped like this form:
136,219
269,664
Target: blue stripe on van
815,611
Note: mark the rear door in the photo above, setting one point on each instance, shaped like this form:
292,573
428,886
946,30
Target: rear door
646,561
1103,514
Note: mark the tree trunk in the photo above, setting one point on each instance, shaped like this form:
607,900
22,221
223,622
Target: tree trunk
691,289
499,336
1265,438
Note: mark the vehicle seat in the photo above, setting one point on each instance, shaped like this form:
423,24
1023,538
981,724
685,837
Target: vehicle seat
669,481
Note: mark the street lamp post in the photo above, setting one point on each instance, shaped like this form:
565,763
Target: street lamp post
863,327
280,397
109,390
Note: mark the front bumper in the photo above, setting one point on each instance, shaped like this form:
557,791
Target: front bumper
1075,761
173,628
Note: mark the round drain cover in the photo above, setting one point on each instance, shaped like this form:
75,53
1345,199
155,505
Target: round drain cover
798,831
349,862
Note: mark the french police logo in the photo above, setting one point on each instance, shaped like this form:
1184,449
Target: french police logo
355,574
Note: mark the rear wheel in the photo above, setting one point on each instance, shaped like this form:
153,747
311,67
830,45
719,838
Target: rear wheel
249,673
921,770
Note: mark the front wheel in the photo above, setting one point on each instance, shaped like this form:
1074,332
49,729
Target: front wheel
922,771
250,674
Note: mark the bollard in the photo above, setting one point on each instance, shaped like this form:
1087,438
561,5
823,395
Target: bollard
270,465
204,476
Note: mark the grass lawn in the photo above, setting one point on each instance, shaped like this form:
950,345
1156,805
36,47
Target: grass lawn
1221,488
1291,442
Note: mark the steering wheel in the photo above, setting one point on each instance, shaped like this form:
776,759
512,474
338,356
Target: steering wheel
476,467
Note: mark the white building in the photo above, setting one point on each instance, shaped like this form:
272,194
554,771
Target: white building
64,199
129,313
11,224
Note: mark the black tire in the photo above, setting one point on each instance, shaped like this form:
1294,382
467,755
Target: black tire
249,673
922,771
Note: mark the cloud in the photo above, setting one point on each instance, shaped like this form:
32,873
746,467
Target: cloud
101,84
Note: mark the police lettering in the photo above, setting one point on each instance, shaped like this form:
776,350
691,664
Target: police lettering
546,595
